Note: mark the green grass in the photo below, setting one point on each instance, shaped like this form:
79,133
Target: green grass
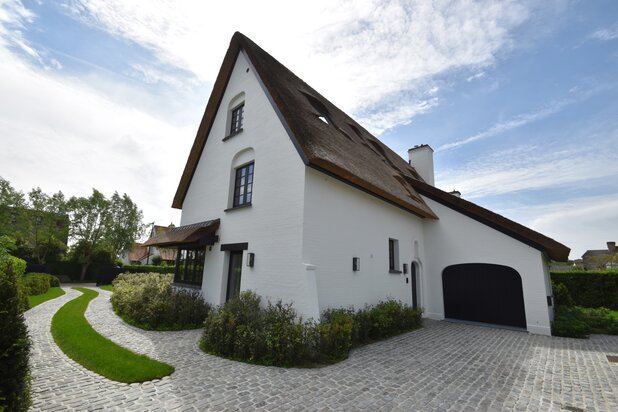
107,287
52,293
80,342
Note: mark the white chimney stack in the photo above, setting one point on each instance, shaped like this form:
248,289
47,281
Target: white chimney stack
421,158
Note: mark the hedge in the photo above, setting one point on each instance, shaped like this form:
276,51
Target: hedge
14,345
591,289
149,301
148,269
243,329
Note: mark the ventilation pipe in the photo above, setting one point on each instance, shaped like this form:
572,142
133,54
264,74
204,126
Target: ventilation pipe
421,159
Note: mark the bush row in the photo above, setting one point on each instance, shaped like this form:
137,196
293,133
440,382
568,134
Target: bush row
38,283
149,301
14,340
578,322
590,289
149,268
274,335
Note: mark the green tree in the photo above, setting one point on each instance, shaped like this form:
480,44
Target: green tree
100,225
50,224
12,211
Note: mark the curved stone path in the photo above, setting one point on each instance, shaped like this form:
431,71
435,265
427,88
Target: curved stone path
444,366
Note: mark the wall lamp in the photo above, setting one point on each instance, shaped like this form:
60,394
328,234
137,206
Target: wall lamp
250,259
355,264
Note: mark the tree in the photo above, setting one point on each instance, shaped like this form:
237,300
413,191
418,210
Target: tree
100,225
50,224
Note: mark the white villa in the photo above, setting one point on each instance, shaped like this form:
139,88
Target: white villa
286,195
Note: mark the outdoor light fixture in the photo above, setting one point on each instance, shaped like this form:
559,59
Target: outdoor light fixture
355,264
405,268
250,259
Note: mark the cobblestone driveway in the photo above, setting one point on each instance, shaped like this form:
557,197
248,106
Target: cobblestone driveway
444,366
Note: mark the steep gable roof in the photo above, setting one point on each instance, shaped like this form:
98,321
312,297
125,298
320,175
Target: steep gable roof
342,148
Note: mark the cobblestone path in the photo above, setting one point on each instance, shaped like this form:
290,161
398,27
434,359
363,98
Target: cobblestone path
444,366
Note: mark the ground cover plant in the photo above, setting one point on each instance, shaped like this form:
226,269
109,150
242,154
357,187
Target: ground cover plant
273,334
149,301
79,341
52,293
109,288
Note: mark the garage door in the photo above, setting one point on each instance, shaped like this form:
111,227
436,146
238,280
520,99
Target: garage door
483,292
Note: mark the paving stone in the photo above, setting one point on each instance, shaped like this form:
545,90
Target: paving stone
444,366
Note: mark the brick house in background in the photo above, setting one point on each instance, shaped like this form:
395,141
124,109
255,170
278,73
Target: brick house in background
601,258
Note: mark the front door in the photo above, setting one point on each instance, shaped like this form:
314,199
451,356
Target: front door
414,285
233,275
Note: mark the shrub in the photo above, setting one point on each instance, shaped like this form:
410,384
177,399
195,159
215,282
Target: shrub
335,334
241,329
14,345
149,301
561,295
591,289
578,322
36,284
149,268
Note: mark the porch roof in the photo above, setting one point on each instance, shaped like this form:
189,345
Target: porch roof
199,234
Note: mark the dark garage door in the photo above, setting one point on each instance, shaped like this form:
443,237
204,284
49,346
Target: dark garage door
482,292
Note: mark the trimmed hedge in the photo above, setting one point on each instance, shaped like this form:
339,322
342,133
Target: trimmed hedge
591,289
14,344
242,329
149,301
149,268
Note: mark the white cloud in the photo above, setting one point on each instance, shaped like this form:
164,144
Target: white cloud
361,55
531,167
513,123
62,134
581,224
606,34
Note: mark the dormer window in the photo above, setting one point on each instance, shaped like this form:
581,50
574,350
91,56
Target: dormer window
237,119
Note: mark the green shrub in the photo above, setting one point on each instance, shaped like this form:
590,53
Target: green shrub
578,322
591,289
335,334
561,295
14,345
149,301
150,268
274,335
35,284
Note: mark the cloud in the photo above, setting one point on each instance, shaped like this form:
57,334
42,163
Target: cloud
606,34
361,55
529,167
582,223
513,123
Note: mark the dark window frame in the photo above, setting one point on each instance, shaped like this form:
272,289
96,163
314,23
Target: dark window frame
243,185
391,254
189,268
237,118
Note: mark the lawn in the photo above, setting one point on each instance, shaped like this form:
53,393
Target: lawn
52,293
109,288
80,342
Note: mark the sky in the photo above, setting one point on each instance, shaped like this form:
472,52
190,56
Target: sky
519,99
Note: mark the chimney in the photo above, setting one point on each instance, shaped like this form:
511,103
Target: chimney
421,158
611,246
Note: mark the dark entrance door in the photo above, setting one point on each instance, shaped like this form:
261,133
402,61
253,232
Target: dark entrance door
233,275
483,292
414,285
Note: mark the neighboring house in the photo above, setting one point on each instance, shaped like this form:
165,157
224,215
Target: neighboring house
601,259
286,195
140,254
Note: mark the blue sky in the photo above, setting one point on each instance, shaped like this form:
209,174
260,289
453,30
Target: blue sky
518,99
